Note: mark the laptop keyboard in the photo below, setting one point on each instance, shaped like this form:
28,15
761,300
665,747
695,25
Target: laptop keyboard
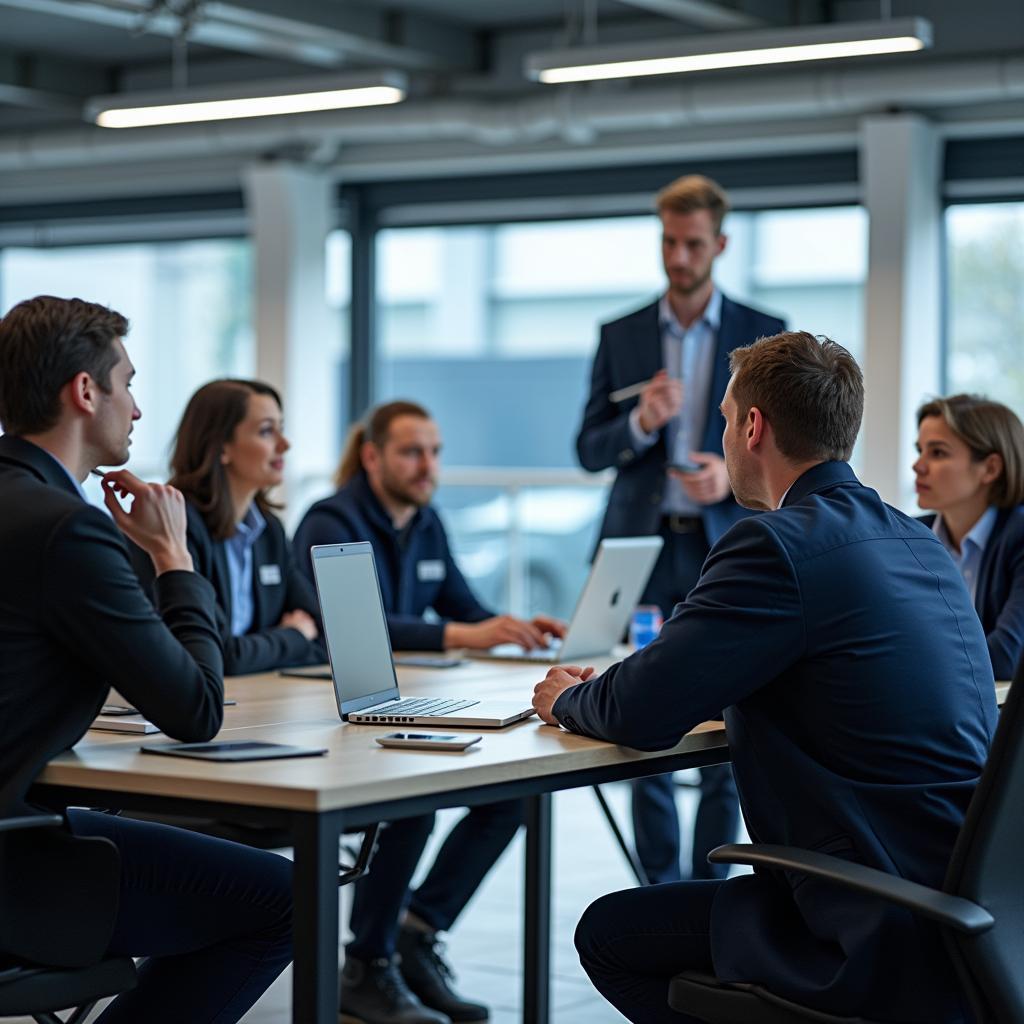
436,707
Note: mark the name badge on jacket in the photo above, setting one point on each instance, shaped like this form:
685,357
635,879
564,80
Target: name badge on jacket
430,570
270,575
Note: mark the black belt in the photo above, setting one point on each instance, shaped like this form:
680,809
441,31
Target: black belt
682,524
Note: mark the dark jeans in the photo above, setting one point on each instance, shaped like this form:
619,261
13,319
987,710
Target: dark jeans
212,918
469,852
655,819
632,943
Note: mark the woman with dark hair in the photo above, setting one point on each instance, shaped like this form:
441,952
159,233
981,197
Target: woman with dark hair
970,471
229,451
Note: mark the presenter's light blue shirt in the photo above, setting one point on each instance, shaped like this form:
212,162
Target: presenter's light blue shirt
238,550
972,547
689,356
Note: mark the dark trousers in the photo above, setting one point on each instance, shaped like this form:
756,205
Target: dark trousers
655,818
632,943
467,854
212,918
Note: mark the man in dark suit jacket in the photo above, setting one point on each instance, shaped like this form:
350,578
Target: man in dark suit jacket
213,918
859,703
681,345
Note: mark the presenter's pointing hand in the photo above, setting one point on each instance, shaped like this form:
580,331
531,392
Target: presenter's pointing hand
660,401
554,684
156,520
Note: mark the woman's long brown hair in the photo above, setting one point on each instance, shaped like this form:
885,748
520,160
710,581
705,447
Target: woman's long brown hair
208,423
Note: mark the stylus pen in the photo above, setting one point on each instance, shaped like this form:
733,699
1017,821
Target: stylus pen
630,392
97,472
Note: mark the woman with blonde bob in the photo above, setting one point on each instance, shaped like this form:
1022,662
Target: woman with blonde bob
970,473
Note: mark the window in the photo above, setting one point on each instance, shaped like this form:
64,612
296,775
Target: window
493,328
985,301
189,307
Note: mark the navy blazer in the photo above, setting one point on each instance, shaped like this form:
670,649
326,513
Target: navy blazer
415,573
74,622
859,704
999,595
630,350
277,589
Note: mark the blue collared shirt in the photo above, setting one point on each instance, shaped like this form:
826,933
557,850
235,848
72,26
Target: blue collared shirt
238,550
689,356
972,547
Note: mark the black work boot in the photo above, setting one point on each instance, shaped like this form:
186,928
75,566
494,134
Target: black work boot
428,975
373,992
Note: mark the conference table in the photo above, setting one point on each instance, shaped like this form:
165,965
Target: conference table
359,783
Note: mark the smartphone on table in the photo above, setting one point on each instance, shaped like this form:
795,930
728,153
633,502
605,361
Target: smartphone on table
427,740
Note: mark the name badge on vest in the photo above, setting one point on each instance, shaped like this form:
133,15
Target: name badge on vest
430,570
270,575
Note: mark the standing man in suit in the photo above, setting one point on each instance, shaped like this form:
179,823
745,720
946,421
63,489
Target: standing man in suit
859,701
680,344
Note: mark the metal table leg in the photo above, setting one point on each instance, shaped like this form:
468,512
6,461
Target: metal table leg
315,891
537,914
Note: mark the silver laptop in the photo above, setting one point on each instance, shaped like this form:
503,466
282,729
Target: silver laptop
617,579
360,652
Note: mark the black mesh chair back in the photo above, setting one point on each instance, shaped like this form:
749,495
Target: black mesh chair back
986,869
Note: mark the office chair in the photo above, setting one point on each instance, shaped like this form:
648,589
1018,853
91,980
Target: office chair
58,904
979,910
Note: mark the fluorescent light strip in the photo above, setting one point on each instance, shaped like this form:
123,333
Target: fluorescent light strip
736,59
254,106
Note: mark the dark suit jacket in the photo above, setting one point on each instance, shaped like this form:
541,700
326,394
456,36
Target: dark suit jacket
999,595
859,705
416,572
266,646
629,351
74,621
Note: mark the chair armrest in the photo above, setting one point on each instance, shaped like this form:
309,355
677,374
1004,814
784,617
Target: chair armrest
30,821
952,911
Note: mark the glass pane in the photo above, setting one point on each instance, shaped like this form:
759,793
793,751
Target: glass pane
189,307
985,311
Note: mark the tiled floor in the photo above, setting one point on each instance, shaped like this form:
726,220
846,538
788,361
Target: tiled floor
486,945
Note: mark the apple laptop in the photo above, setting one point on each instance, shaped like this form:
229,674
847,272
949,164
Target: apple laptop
359,649
617,579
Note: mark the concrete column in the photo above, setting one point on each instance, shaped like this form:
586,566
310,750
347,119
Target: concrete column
901,174
291,211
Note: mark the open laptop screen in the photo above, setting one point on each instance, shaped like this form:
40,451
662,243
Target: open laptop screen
354,625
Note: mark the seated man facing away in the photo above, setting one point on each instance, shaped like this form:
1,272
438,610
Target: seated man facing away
859,703
386,478
212,919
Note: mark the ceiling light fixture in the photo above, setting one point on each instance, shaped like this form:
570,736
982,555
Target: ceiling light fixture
718,50
257,99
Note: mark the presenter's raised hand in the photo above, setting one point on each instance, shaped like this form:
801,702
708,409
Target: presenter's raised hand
710,484
660,401
302,621
554,684
156,521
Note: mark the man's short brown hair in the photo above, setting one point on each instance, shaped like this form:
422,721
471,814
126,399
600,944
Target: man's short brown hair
694,192
44,343
809,389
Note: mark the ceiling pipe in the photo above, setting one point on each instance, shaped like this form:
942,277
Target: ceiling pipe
576,115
